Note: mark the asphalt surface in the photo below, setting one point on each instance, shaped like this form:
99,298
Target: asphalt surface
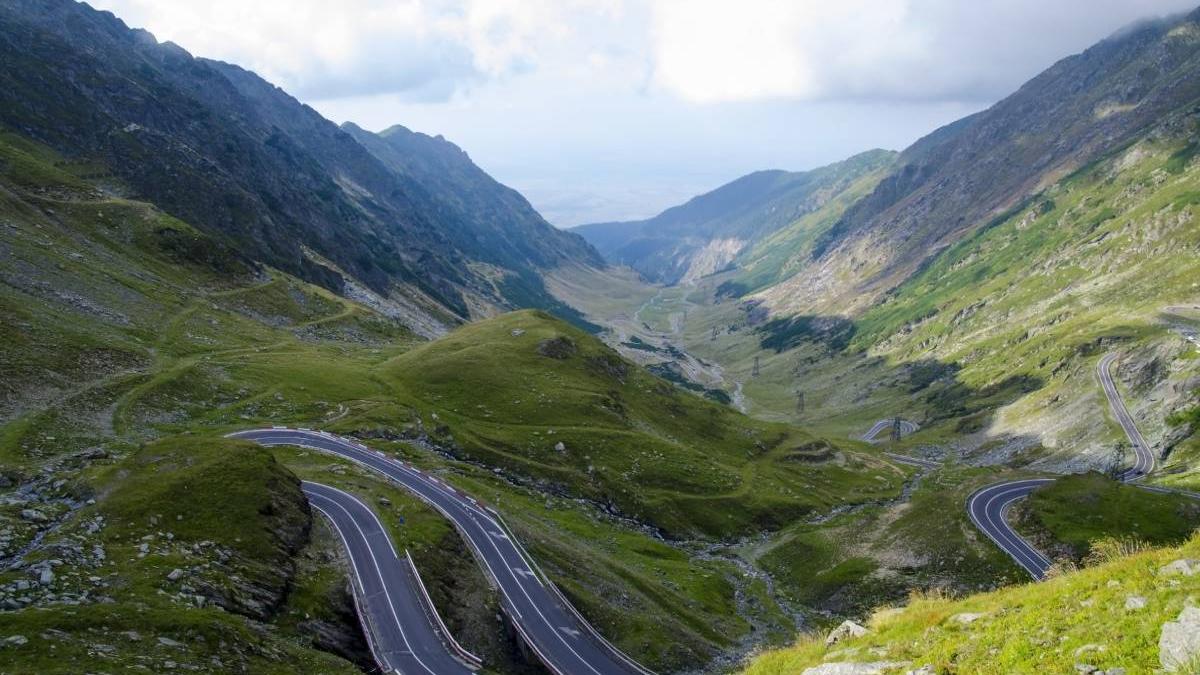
906,428
403,637
988,508
564,642
1143,457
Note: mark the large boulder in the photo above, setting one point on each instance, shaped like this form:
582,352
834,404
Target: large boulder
1186,567
1179,645
847,629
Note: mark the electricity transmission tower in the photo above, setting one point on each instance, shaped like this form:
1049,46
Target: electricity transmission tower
754,373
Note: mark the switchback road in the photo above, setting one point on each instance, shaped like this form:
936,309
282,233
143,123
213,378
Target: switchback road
404,637
988,506
1143,457
564,642
906,428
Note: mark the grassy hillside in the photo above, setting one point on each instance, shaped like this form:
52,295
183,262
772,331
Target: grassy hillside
1070,513
240,159
102,589
1087,266
1057,626
535,396
953,184
128,331
996,341
788,250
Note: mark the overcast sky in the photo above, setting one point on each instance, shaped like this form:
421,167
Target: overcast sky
616,109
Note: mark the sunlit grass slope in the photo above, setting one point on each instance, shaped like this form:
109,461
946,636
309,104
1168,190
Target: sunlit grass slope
1082,617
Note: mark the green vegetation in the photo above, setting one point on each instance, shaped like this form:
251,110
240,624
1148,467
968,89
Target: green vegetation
225,514
788,249
583,418
1189,416
1048,627
1095,259
135,342
1074,511
765,221
857,561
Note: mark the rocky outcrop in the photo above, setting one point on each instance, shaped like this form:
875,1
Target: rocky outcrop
1179,645
219,147
846,668
847,629
1184,566
958,179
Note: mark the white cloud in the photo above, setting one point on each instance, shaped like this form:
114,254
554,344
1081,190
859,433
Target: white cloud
707,52
424,49
702,51
771,49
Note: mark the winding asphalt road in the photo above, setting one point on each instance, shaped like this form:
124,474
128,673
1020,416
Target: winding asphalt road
564,642
387,594
989,505
988,508
1144,458
906,428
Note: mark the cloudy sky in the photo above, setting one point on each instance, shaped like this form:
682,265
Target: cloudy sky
616,109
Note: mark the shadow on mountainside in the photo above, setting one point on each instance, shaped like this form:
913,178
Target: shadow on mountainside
822,345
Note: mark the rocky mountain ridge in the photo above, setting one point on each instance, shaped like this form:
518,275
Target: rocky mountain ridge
218,146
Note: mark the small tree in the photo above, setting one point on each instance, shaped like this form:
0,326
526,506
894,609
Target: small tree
1116,460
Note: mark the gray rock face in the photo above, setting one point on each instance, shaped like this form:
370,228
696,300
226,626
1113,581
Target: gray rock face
175,575
847,629
873,668
33,516
431,209
1179,644
1135,602
15,640
966,618
1184,566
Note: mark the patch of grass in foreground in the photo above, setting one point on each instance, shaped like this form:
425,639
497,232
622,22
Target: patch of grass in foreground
1032,628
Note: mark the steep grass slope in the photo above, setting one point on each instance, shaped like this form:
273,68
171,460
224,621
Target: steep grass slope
1087,266
1066,516
955,182
1078,622
172,558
